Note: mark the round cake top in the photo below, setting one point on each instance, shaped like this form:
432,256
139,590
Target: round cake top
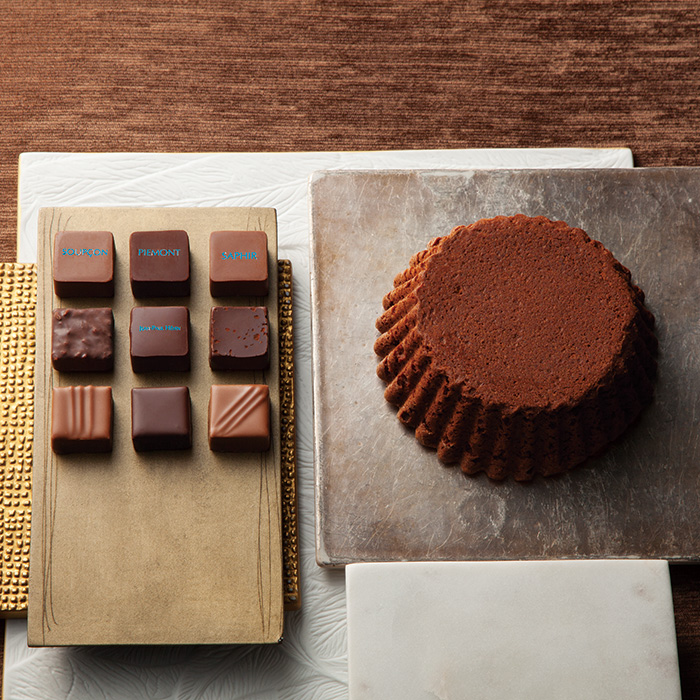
524,311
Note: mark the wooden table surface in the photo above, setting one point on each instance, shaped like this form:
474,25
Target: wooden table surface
270,75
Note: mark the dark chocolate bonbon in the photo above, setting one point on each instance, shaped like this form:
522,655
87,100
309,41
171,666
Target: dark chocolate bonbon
82,340
161,418
159,263
239,338
159,338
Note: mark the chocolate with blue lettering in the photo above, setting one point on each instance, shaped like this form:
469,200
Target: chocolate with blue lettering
159,263
239,338
83,264
161,418
160,339
238,263
82,340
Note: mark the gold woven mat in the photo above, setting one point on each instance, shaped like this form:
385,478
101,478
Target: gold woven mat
17,317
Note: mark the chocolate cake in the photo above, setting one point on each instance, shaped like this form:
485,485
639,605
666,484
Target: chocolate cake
516,346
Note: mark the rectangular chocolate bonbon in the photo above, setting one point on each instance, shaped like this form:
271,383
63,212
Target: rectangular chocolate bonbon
160,339
160,418
159,263
83,264
82,340
239,338
238,263
81,419
239,418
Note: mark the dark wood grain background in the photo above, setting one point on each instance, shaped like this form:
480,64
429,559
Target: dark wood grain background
271,75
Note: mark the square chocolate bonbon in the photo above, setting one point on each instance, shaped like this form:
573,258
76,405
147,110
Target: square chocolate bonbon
160,338
81,419
82,340
239,338
238,263
161,418
83,264
239,418
159,263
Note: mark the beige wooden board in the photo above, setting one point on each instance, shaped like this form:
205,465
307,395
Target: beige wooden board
180,547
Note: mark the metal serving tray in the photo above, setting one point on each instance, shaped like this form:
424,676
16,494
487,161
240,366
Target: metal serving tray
380,496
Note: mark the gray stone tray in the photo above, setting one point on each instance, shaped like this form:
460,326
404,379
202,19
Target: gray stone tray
380,496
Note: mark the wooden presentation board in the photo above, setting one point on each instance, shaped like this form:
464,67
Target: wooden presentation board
176,547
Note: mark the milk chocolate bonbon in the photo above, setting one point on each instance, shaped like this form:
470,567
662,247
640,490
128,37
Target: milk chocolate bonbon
239,418
159,337
83,264
159,263
238,263
82,340
81,419
239,338
161,418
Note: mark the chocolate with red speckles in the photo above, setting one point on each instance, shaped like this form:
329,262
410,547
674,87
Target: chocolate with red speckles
239,338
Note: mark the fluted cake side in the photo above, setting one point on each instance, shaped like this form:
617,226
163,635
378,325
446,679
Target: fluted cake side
516,346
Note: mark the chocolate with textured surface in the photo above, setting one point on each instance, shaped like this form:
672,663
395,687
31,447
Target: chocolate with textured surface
238,338
82,340
239,418
516,346
160,338
159,263
83,264
238,263
81,419
161,418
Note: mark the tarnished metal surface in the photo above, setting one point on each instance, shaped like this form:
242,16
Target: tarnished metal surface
380,495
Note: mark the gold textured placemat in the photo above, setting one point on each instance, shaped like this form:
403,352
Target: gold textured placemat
17,314
17,318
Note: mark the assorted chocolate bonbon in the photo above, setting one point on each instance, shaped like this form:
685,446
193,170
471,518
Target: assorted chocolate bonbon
238,263
239,418
239,338
161,418
81,419
83,264
159,338
83,340
159,263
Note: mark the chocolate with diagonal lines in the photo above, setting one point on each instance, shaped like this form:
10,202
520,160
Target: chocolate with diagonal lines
239,418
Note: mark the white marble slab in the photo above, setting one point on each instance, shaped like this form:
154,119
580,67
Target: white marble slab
527,630
311,663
